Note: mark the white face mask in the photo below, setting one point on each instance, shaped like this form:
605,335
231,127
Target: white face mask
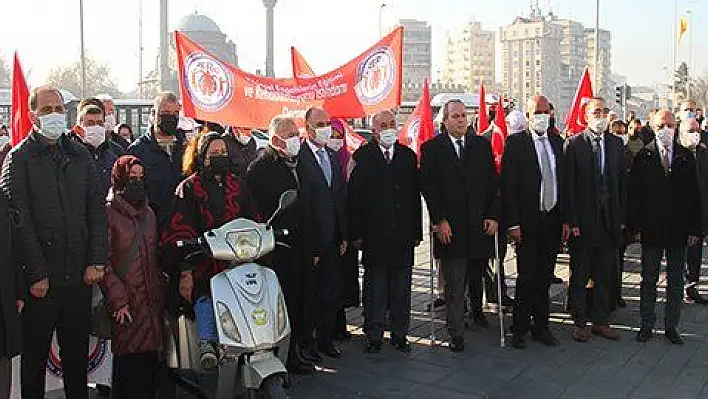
243,139
335,144
686,115
323,134
4,140
665,136
539,123
690,139
597,125
292,146
95,135
109,122
388,137
52,126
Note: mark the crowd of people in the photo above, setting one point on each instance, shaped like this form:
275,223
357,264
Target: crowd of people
92,206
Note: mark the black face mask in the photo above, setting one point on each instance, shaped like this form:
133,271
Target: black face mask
168,124
135,192
218,164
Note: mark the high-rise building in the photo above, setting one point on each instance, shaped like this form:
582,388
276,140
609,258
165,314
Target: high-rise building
470,57
417,51
531,60
573,48
604,86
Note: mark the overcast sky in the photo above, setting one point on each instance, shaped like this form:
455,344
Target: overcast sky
327,32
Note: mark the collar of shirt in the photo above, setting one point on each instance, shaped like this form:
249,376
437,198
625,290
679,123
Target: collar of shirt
453,140
661,147
390,150
315,149
537,137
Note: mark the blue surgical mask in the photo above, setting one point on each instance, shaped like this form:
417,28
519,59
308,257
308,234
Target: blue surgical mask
686,115
53,125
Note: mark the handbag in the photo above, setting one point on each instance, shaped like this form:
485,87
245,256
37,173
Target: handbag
101,316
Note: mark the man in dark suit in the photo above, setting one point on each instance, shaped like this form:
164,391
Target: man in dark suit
665,202
532,207
461,188
594,205
323,192
690,137
385,222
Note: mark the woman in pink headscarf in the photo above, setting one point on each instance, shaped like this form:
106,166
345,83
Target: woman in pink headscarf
350,261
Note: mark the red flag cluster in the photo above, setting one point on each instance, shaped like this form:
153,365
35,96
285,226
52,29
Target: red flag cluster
419,127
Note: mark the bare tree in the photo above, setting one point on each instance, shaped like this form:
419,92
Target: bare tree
98,79
699,90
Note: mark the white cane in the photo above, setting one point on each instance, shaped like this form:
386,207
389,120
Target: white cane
432,291
500,276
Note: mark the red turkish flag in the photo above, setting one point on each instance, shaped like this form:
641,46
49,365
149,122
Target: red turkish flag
419,127
576,122
301,69
21,122
499,134
483,119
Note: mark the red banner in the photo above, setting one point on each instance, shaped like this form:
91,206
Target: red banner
21,123
301,69
419,127
576,122
499,134
215,91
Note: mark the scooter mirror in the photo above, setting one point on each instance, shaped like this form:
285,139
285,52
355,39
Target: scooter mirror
287,199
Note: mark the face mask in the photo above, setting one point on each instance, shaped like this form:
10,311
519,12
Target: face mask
539,123
335,144
686,115
52,126
598,125
4,140
168,124
388,137
690,139
95,135
109,122
323,134
219,164
665,136
135,192
292,146
243,139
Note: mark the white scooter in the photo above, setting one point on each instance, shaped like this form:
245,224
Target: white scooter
252,318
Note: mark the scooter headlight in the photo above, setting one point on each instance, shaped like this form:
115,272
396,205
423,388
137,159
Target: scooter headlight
282,314
228,325
246,244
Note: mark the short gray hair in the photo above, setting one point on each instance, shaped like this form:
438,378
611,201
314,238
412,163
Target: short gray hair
276,122
446,106
164,97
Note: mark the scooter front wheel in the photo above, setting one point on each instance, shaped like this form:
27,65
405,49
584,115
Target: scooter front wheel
272,388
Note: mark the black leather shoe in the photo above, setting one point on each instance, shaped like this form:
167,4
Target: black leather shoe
556,280
621,303
545,337
673,336
342,336
518,341
331,351
693,294
310,355
373,347
481,321
457,344
644,335
401,345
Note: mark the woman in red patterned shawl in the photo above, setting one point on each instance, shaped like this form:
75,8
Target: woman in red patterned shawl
210,196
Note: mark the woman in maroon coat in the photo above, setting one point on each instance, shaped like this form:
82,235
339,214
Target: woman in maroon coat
133,283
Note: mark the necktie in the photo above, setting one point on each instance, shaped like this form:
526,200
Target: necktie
547,200
597,149
325,165
665,159
460,148
387,156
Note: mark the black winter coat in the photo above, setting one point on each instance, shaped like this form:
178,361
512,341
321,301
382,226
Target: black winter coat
62,220
385,206
10,287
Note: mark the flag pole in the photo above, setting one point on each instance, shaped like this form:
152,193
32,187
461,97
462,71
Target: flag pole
432,289
500,276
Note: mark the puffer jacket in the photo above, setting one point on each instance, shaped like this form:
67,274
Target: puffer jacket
142,287
105,155
62,222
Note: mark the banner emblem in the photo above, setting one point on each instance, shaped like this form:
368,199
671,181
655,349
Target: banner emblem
375,76
208,82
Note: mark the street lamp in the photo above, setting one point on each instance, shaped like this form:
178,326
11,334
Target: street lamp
690,53
596,56
83,49
269,5
383,5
